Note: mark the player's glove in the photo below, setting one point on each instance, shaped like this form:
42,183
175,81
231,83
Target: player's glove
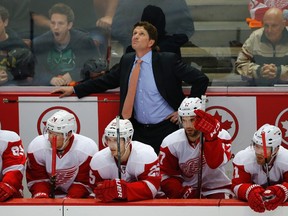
277,194
189,192
108,190
254,197
6,191
40,195
207,124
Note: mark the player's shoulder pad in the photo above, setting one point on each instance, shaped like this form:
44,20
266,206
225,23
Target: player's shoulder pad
282,155
8,136
40,142
245,156
142,153
85,144
101,159
177,136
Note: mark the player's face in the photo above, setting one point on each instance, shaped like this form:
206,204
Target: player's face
60,27
59,138
259,152
112,144
141,40
188,125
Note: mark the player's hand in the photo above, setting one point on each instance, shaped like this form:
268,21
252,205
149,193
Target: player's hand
277,195
109,190
6,191
40,195
58,81
255,199
189,192
207,124
65,91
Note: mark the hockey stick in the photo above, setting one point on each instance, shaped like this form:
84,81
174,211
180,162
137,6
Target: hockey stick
118,146
199,186
53,167
265,156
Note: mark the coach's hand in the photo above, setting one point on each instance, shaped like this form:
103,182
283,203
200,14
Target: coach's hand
64,91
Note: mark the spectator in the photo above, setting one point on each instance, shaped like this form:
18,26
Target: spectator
258,8
178,18
19,20
73,155
12,165
92,16
9,41
180,156
259,178
138,165
159,92
62,51
82,10
262,60
166,43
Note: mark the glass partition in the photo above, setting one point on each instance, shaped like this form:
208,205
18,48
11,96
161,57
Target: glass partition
67,40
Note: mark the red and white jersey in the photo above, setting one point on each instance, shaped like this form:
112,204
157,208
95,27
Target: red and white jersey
247,171
141,171
257,8
180,160
12,160
72,166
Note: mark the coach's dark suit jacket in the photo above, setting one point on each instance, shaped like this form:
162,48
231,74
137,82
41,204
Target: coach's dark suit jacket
169,72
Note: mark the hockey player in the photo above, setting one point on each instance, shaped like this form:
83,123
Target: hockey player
12,163
262,188
73,155
180,156
140,173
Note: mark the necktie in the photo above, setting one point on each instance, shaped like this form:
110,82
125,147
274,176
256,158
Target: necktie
129,100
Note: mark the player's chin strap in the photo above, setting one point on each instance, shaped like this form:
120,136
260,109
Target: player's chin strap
201,149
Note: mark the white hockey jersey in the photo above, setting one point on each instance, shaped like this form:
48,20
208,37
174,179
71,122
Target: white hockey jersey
12,160
72,166
247,171
141,171
180,160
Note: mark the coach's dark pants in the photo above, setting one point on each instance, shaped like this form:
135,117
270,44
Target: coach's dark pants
153,134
